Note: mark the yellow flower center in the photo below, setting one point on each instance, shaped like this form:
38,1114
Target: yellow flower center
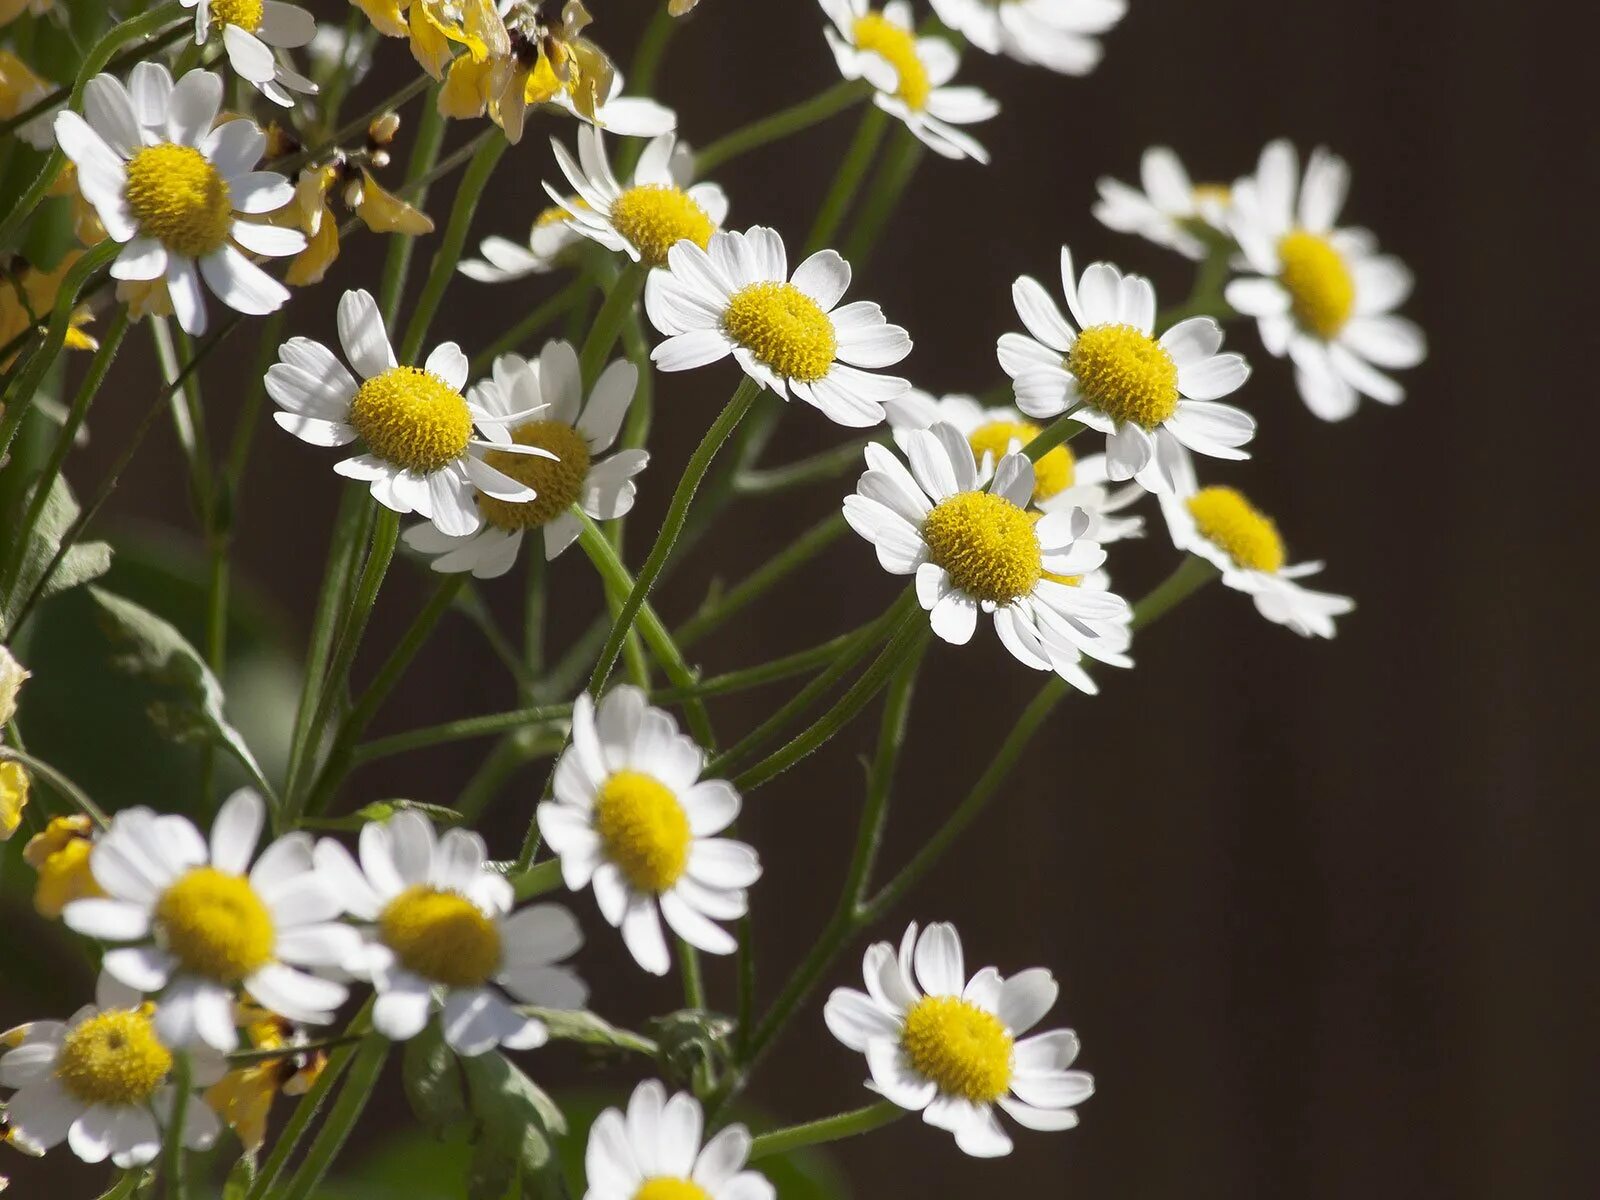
246,14
412,419
1125,374
668,1187
643,829
898,47
784,328
216,925
1321,289
113,1058
1051,474
558,482
1227,519
986,543
556,215
180,199
656,217
963,1049
441,936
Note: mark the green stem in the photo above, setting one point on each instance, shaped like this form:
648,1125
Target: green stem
847,180
607,327
694,987
829,464
342,1117
536,881
763,579
515,337
357,127
397,262
172,1150
894,175
1205,298
114,67
829,1129
68,790
780,125
1063,429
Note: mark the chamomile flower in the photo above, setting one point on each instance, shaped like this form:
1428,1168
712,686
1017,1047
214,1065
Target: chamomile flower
1322,295
977,548
1170,210
648,217
12,676
654,1153
552,235
1151,398
421,455
252,30
60,854
208,923
625,116
576,434
952,1048
737,297
443,937
1056,34
103,1082
908,74
632,817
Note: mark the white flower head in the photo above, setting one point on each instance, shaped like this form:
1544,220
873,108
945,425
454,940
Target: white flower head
952,1048
102,1081
909,74
632,817
208,923
625,116
12,676
443,937
252,32
977,549
421,452
1322,295
576,433
787,332
177,192
653,1152
1060,35
504,260
1171,210
1153,399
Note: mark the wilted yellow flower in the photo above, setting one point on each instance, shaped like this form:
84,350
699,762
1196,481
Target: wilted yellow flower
12,676
243,1097
20,90
27,295
60,855
384,212
13,797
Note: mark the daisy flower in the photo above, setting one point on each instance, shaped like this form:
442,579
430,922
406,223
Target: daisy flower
575,433
421,455
973,547
952,1048
443,937
654,1153
251,31
646,218
1322,295
625,116
503,260
102,1082
1152,399
737,297
172,189
1056,34
632,817
1170,210
908,74
209,923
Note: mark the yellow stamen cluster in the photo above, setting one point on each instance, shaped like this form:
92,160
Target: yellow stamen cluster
412,419
784,328
986,543
113,1058
1322,292
1052,474
669,1187
1227,519
643,829
246,14
216,925
963,1049
1125,374
441,936
898,47
558,482
180,199
656,217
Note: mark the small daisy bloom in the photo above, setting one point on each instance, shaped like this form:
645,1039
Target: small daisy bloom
952,1048
648,217
1322,295
209,923
632,817
504,260
908,74
102,1082
1171,210
653,1152
737,297
625,116
251,31
576,434
977,548
1059,35
1151,398
443,937
421,454
173,190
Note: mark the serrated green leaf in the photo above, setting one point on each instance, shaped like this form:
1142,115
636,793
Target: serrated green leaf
432,1077
84,562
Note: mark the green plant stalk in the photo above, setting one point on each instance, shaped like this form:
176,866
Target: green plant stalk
172,1147
1205,298
305,1112
780,124
847,179
115,67
397,261
829,1129
763,579
357,127
518,335
64,786
250,411
509,754
607,327
893,177
1060,431
694,987
829,464
362,1078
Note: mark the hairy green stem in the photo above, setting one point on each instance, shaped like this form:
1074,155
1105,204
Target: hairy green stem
780,125
829,1129
362,1078
515,338
607,327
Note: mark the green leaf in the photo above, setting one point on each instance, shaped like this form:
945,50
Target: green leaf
240,1177
86,561
515,1118
382,810
584,1027
433,1082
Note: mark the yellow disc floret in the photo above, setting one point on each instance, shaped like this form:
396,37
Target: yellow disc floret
442,936
669,1187
216,925
1053,473
1126,374
246,14
113,1058
1227,519
897,47
558,482
643,829
180,199
986,543
1322,292
784,328
412,419
963,1049
656,217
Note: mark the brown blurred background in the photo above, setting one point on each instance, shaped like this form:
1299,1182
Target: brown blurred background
1322,913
